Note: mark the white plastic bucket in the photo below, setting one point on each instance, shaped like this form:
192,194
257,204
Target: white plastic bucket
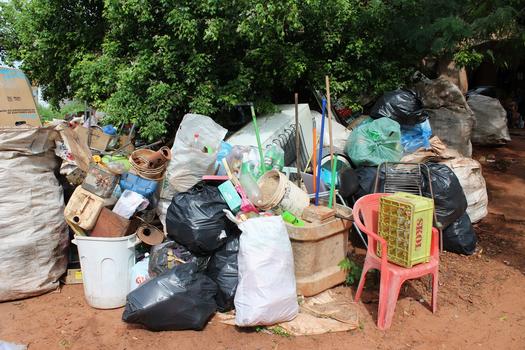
106,267
280,194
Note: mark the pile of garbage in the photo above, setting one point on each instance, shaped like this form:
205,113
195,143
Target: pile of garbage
213,225
213,199
431,125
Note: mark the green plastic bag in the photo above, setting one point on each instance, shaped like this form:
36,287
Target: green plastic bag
375,142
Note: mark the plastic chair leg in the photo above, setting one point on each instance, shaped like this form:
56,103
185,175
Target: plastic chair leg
383,297
388,299
435,286
361,285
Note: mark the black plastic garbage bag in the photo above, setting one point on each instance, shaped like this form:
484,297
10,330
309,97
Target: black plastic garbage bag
348,182
460,236
223,270
196,219
404,106
179,299
449,199
167,255
367,179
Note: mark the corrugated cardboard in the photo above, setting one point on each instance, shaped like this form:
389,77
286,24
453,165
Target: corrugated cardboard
17,105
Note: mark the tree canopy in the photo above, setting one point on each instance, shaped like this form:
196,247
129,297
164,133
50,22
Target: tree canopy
152,61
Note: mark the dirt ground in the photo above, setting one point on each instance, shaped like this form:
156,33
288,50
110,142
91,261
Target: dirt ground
481,301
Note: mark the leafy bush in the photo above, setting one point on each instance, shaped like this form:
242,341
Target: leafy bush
46,113
149,62
353,271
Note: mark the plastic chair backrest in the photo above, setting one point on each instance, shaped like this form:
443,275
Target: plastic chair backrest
366,217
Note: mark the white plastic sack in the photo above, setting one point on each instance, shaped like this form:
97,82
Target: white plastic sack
266,292
33,231
450,116
188,164
491,120
453,127
468,172
441,93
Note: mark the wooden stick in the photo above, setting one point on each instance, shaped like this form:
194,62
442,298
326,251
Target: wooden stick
332,160
258,137
329,110
297,141
232,177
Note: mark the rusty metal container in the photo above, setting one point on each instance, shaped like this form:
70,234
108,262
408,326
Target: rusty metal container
83,208
317,250
110,224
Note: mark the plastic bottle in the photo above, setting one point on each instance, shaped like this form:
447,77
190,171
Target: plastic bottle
274,158
248,182
292,219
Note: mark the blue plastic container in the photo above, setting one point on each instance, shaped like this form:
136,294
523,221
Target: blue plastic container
132,182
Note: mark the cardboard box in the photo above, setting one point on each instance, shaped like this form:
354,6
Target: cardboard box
17,105
73,276
99,140
230,195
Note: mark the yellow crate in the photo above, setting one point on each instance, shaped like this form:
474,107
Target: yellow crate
405,222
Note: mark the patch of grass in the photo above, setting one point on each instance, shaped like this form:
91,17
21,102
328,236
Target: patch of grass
352,269
278,330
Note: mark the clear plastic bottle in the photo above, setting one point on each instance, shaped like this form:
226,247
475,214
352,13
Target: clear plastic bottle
248,183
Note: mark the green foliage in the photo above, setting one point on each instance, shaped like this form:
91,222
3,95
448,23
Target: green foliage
465,58
277,330
280,331
352,269
46,113
150,62
49,37
50,113
72,107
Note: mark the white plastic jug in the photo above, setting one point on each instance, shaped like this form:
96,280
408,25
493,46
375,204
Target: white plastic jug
106,266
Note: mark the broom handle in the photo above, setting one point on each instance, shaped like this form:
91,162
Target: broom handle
297,141
314,156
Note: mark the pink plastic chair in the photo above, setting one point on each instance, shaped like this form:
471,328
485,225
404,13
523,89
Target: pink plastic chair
366,217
